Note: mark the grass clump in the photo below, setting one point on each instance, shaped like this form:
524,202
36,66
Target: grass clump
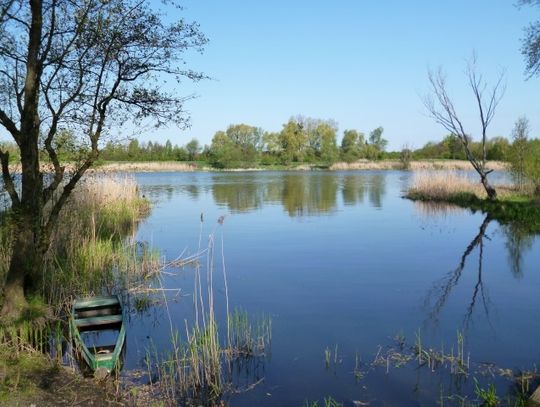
488,397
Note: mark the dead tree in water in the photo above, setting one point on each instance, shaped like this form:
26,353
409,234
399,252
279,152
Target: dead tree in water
441,108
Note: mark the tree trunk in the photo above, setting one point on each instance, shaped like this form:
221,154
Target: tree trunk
491,192
24,269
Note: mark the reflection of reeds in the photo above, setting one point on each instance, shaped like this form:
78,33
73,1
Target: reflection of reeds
429,209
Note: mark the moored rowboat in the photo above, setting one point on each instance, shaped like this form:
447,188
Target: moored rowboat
93,318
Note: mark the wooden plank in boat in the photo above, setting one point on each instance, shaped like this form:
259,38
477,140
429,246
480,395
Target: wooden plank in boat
97,321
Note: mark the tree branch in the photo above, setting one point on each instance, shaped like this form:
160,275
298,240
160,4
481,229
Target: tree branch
10,126
8,181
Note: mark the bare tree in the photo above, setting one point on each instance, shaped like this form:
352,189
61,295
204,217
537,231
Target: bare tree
80,66
441,108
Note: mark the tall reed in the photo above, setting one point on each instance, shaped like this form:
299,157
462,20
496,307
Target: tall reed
200,366
443,186
92,242
89,252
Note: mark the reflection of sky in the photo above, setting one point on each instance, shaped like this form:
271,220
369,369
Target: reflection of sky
337,258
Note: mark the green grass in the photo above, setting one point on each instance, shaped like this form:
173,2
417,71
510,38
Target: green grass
488,397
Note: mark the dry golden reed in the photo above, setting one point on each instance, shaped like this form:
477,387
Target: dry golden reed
161,166
442,186
420,165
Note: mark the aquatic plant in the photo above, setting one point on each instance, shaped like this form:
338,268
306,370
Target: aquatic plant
202,363
488,396
327,402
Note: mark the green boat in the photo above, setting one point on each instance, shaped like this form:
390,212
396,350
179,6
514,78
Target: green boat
92,321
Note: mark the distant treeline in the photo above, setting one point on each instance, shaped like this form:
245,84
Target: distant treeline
301,140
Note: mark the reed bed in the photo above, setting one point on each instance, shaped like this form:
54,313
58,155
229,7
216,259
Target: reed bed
89,251
443,186
92,247
418,165
153,166
449,186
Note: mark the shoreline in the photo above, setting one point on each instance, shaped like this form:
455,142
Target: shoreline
419,165
176,166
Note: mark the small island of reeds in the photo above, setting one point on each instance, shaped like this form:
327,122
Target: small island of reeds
514,204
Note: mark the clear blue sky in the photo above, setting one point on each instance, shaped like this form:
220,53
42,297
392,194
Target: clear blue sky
363,63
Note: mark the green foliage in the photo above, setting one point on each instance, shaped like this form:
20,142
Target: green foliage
151,151
531,43
224,153
405,157
68,147
497,149
452,148
12,149
292,140
531,164
488,396
377,144
328,148
352,145
193,149
238,147
248,138
518,150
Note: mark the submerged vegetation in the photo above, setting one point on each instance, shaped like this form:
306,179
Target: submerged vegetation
472,383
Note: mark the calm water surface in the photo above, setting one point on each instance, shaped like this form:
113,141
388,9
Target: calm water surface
341,260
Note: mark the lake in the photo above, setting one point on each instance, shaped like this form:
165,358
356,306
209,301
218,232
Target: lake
352,276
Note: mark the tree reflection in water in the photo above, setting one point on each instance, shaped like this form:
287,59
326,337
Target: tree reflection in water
518,240
299,194
441,290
